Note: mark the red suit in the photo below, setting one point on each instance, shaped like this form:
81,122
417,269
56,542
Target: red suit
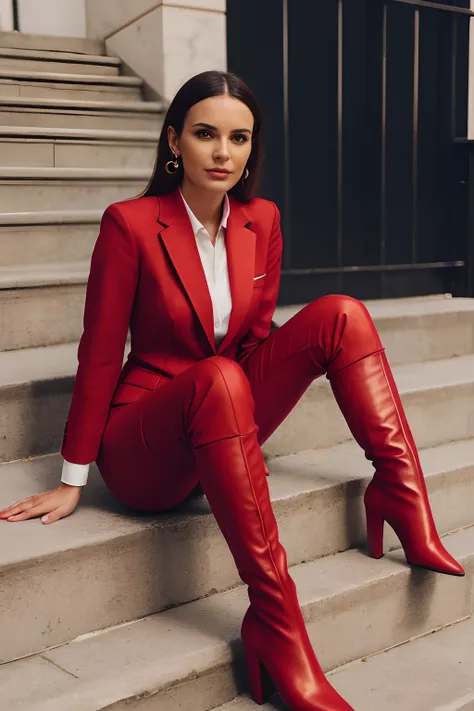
180,412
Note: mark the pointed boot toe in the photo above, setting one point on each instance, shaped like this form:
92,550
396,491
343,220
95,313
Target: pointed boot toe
437,559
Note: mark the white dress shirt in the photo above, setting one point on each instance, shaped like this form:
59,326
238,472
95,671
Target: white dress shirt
214,262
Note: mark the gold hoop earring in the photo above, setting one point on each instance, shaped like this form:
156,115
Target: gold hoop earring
171,170
246,174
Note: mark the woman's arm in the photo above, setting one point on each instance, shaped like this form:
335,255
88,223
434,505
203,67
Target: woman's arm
108,306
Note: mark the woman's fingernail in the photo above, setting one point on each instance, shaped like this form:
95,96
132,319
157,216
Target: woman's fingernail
45,518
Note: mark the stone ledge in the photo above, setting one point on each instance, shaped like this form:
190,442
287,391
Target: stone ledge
24,75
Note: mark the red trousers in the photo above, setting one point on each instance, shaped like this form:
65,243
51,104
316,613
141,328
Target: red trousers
147,452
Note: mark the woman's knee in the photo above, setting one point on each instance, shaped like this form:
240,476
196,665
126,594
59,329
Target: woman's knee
340,304
225,375
223,397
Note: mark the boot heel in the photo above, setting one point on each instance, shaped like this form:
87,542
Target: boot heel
261,685
375,524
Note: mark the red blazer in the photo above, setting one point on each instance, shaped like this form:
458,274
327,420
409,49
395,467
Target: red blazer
146,274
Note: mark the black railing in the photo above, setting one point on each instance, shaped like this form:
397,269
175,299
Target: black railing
16,16
364,101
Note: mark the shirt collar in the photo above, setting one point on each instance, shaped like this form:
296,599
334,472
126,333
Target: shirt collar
197,225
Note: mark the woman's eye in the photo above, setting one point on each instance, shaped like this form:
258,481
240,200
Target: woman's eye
238,137
201,132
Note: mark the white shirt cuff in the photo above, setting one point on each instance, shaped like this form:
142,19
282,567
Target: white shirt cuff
75,474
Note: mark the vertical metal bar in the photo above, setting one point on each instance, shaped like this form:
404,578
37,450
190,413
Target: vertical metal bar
16,16
340,165
383,163
286,145
470,226
416,113
454,53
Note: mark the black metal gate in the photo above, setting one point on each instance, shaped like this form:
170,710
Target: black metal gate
364,101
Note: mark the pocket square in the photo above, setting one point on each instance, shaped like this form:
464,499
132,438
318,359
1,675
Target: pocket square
260,276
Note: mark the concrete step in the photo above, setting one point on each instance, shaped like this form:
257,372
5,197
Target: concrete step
36,385
68,62
30,189
76,148
48,238
73,113
39,289
191,657
104,547
52,43
50,85
434,672
41,303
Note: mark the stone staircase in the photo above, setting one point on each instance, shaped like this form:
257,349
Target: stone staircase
109,610
75,135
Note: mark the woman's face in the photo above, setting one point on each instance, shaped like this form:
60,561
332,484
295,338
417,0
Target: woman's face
217,134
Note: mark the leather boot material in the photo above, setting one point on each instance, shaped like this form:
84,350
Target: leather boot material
369,400
278,649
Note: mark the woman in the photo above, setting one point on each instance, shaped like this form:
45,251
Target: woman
193,266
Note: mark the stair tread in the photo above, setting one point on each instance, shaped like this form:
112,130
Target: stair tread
40,173
71,78
50,217
149,107
435,374
51,43
35,275
395,308
432,673
33,364
170,647
25,132
100,518
127,106
43,54
50,273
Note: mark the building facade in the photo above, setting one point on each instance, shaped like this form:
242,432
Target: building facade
369,119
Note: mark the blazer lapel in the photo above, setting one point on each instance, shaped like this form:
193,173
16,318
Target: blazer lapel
180,243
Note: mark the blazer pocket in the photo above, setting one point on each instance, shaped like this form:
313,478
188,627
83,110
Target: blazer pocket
259,281
135,384
142,377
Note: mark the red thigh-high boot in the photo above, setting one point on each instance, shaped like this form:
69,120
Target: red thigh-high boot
233,476
369,400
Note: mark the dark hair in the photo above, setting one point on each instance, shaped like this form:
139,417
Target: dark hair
199,87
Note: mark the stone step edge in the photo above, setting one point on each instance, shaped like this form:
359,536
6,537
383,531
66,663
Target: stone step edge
59,56
384,670
44,275
149,107
95,134
281,468
50,217
21,173
19,40
32,276
63,78
428,374
391,309
137,679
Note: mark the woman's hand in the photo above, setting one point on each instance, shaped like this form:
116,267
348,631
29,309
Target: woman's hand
57,503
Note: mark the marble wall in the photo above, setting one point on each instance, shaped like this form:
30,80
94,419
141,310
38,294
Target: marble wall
105,17
6,15
53,17
164,42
